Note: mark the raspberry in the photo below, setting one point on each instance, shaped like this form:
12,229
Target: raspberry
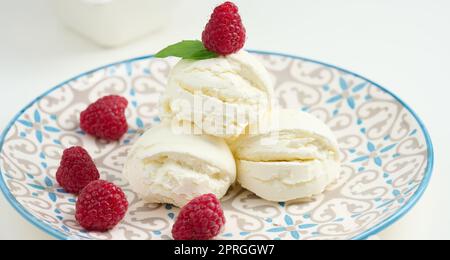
224,34
76,170
100,206
200,219
105,118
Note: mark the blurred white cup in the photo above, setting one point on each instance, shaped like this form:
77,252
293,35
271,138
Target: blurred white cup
111,23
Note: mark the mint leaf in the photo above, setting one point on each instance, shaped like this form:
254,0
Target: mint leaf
193,50
203,55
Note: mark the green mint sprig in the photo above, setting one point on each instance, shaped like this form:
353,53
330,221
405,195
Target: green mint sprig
192,50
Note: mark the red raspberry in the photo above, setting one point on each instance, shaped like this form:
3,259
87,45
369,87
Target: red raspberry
101,206
76,170
200,219
224,34
105,118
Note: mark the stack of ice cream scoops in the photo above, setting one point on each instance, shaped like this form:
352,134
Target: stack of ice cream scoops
220,125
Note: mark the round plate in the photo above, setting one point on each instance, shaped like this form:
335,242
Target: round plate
386,150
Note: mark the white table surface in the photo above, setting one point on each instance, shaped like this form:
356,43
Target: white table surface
402,44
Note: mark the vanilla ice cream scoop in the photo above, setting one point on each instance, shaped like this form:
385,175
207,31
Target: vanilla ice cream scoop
221,96
296,157
168,167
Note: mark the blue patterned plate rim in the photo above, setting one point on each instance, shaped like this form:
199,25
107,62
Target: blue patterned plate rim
365,235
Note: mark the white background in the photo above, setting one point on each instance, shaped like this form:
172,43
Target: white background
401,44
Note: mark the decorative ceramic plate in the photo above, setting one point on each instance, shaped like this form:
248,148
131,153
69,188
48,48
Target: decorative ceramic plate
386,150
